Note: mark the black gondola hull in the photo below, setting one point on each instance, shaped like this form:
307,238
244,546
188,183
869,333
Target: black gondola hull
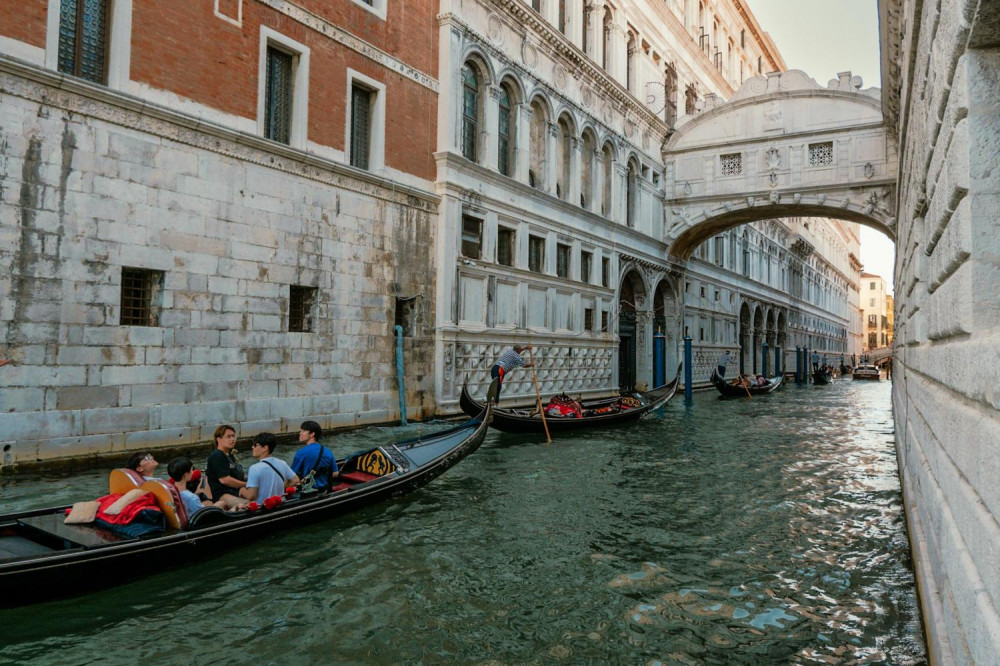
822,377
735,391
79,570
509,420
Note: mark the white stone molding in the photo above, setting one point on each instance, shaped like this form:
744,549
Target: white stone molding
376,7
234,20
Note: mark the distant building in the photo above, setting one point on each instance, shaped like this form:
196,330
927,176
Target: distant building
877,304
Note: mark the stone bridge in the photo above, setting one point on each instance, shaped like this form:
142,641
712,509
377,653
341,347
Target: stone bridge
782,146
879,355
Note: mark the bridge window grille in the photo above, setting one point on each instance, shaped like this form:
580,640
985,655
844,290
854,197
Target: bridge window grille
731,164
821,153
140,295
83,33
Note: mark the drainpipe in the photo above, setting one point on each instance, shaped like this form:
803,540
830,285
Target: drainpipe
399,375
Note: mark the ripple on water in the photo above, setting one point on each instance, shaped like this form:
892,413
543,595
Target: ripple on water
736,532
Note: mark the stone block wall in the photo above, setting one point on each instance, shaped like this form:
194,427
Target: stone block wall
90,184
946,392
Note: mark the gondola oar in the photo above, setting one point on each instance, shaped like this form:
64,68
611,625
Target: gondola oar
538,396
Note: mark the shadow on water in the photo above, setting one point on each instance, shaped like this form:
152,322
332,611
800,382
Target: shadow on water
728,532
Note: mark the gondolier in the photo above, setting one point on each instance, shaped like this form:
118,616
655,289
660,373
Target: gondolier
509,359
725,359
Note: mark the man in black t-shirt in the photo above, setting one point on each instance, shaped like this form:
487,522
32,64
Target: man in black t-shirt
225,474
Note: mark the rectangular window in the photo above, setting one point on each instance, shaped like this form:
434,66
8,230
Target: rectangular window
406,314
83,39
361,111
588,319
731,164
140,297
505,246
472,237
562,260
821,153
604,322
278,95
586,259
872,286
605,272
536,254
871,302
300,308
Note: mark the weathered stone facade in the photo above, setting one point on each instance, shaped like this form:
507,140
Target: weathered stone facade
941,72
157,172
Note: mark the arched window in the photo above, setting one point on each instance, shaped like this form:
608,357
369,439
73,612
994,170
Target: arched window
631,194
505,133
470,110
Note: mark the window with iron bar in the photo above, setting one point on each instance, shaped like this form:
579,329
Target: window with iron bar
361,110
300,308
278,95
140,295
83,39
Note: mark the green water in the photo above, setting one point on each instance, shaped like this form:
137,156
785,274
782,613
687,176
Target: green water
733,532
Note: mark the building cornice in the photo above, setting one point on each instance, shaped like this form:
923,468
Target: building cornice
762,39
78,96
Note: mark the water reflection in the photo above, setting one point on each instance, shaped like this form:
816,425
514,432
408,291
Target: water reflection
733,532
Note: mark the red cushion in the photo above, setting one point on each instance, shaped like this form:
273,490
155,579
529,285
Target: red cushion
358,477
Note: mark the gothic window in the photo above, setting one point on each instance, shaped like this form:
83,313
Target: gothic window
690,99
470,110
83,39
731,164
278,95
821,153
670,95
505,124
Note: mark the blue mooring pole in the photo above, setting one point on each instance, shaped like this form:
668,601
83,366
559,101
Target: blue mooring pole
399,375
763,357
688,390
659,359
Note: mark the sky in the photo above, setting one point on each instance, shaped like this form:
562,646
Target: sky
823,37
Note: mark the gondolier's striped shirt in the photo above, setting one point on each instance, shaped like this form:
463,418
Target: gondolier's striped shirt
509,359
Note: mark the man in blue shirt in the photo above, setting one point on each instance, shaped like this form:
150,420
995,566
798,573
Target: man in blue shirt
269,476
314,457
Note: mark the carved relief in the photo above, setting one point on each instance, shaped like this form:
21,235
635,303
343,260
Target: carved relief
559,77
529,54
494,29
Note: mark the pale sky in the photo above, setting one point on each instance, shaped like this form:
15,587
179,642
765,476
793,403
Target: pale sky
822,38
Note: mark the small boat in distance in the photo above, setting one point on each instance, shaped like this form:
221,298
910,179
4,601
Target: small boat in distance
738,390
867,371
595,413
822,376
42,558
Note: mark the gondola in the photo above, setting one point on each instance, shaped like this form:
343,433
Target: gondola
736,391
596,413
43,558
822,376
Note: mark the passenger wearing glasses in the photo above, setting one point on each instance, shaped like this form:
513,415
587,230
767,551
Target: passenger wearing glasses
269,476
225,474
143,463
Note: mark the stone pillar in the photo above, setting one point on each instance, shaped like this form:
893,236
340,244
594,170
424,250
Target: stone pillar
488,147
619,195
550,165
450,74
575,182
522,138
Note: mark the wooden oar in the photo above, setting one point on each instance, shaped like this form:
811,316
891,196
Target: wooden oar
745,387
538,396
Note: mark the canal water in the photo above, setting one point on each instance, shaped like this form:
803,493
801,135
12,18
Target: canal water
754,531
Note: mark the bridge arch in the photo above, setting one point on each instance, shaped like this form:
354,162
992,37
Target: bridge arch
783,146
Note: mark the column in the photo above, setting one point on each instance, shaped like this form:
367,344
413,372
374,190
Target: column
550,164
575,171
489,150
522,137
